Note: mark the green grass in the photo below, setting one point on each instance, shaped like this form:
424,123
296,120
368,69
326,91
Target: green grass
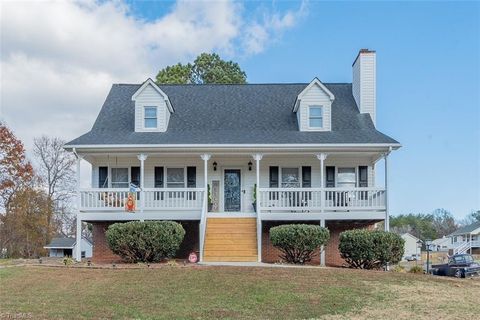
228,292
5,262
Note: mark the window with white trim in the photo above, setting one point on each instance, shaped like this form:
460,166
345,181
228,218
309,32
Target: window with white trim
290,177
119,177
175,177
346,177
315,117
150,117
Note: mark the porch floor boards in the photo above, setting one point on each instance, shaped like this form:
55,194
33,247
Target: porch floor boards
231,240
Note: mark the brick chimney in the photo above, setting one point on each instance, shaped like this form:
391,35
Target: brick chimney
364,84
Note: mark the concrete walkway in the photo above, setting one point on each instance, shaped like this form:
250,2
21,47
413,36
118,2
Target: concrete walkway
257,264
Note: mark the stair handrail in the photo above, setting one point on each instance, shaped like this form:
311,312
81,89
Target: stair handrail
462,248
203,222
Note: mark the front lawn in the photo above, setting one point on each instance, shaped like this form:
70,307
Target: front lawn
231,292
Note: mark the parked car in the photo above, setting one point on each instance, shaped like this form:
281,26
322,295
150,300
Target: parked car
459,266
414,257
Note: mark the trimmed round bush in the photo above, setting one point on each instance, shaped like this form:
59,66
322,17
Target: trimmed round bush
149,241
299,243
366,249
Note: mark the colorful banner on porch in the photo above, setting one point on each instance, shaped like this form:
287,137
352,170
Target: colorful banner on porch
130,204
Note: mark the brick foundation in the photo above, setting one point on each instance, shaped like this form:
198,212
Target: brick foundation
270,254
332,254
103,254
101,251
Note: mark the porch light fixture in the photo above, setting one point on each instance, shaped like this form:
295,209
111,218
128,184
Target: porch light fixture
250,164
215,166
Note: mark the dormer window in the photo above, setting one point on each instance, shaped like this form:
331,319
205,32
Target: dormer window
315,117
150,117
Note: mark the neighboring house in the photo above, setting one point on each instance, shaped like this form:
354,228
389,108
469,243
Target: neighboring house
268,154
67,247
441,244
411,245
466,239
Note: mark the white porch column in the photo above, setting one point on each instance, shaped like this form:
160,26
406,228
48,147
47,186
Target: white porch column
257,157
203,218
387,212
142,157
78,246
322,254
78,252
79,200
322,157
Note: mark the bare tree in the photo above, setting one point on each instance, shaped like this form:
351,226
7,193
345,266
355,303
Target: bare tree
55,168
473,217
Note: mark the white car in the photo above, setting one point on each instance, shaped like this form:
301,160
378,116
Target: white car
414,257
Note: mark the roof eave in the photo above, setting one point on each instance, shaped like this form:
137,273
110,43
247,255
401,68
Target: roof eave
380,147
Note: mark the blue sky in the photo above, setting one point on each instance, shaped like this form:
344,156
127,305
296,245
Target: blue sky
428,66
428,86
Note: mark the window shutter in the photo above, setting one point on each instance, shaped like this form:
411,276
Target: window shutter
191,181
306,177
158,177
103,177
135,176
363,176
273,177
330,177
191,177
158,182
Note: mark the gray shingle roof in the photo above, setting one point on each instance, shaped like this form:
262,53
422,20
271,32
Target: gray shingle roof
61,243
231,114
466,229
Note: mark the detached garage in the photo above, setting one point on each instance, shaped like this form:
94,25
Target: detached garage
66,247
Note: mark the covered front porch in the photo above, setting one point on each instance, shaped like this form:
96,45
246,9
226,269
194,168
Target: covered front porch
269,186
238,183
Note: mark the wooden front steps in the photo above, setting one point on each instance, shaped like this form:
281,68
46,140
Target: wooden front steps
231,240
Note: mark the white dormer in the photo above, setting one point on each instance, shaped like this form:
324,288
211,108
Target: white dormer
152,108
314,107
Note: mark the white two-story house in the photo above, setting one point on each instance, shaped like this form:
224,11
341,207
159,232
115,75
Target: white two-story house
231,161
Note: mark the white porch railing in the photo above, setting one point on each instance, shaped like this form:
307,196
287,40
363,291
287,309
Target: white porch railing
155,199
172,198
326,199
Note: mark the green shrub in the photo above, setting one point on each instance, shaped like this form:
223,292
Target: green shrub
68,261
365,249
298,242
416,269
399,268
149,241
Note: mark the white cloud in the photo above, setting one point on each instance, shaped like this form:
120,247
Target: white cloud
59,59
269,28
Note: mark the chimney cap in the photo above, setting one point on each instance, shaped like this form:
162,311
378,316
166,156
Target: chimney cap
363,50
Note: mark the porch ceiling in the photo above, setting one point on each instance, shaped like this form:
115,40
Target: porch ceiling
236,154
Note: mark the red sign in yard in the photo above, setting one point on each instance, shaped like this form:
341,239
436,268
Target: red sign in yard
192,257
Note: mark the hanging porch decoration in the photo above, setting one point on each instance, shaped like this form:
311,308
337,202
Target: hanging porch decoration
131,199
